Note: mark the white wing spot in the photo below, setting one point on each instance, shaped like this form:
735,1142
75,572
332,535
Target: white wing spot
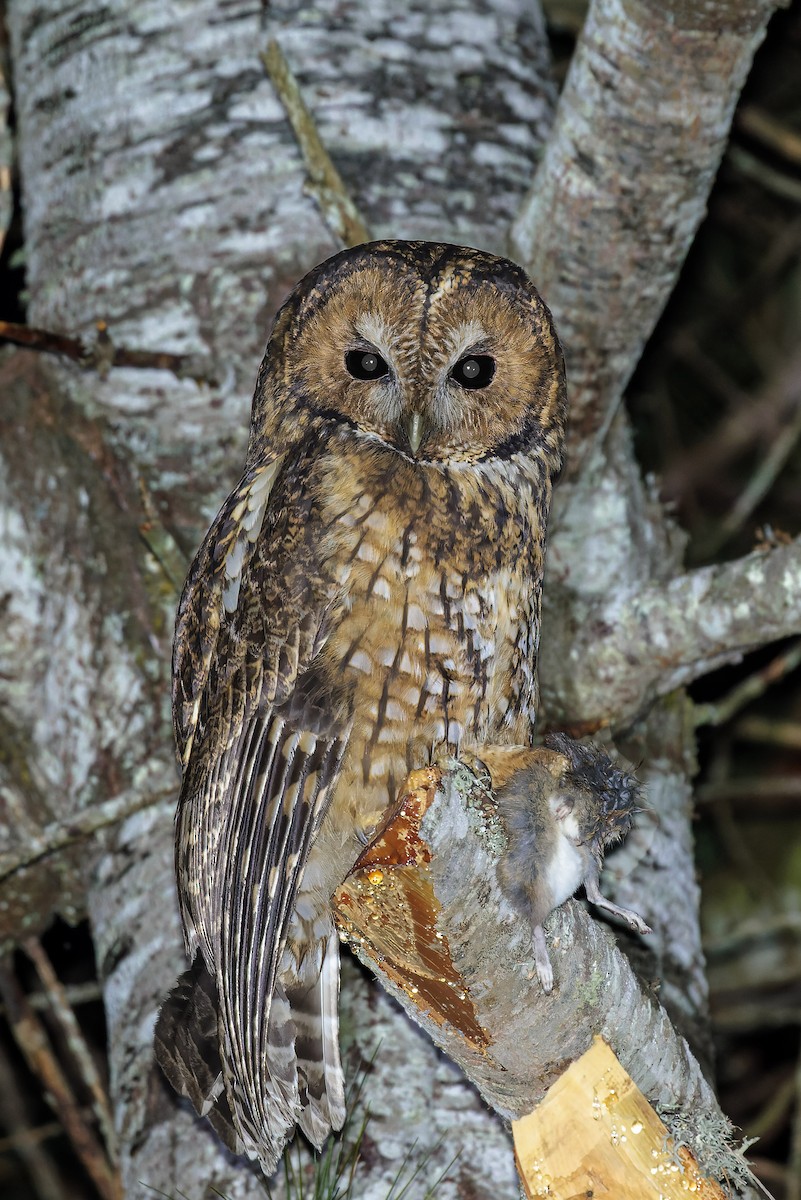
376,520
235,558
230,596
307,742
248,513
367,552
455,733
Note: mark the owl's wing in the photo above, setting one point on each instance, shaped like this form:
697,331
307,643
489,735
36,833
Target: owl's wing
262,742
211,594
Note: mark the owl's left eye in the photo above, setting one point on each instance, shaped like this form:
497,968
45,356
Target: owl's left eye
365,364
474,371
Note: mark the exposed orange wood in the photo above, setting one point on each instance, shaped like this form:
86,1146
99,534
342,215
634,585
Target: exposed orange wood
388,905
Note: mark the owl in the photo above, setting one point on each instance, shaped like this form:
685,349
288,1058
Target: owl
368,593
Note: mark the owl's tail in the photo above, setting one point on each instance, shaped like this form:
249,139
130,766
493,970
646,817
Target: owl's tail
187,1048
314,1007
304,1083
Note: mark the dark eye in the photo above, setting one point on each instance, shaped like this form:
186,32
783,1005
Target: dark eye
474,371
365,364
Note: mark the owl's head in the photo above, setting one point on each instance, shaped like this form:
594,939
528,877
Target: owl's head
442,353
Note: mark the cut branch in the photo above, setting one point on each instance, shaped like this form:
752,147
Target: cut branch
595,1124
422,909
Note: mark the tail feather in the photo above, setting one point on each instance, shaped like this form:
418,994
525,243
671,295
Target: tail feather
282,1063
329,1011
188,1049
315,1014
304,1083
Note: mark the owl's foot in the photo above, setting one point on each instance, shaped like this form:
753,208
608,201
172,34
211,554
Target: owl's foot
503,762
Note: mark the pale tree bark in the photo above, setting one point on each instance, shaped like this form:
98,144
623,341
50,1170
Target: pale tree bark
642,124
622,187
164,192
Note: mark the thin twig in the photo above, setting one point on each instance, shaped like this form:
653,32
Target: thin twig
771,797
30,1036
6,183
765,927
65,1017
794,1159
30,1137
76,994
770,1173
764,128
24,1141
62,833
749,418
743,1017
772,1115
750,788
103,354
324,182
761,481
772,180
786,734
735,844
751,688
779,256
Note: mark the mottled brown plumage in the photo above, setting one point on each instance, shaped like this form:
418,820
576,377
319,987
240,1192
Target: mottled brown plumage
369,592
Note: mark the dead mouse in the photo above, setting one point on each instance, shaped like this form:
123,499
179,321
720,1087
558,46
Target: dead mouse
561,812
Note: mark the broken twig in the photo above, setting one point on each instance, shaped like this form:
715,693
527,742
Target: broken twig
325,183
62,833
103,354
30,1036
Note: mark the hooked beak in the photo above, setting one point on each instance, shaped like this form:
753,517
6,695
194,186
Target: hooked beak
415,430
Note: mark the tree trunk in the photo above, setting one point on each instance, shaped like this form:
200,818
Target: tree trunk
164,193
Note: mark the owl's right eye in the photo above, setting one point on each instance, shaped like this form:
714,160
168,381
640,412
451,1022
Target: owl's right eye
365,364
